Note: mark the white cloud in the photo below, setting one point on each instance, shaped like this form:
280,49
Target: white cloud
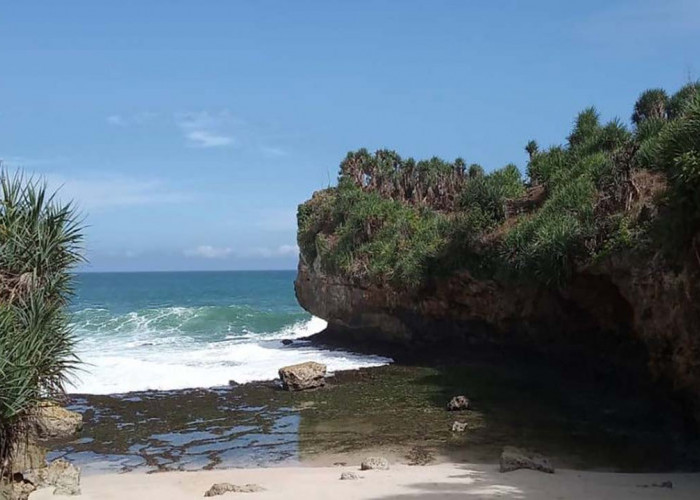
209,252
280,251
102,192
117,120
136,118
205,139
273,152
206,130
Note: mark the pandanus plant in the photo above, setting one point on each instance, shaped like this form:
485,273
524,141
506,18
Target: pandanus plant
40,242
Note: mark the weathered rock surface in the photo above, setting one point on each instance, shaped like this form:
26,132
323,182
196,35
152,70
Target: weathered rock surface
61,474
28,454
349,476
221,488
16,490
52,421
309,375
633,312
458,403
374,463
459,426
514,458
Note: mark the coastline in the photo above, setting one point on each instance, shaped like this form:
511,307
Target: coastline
401,482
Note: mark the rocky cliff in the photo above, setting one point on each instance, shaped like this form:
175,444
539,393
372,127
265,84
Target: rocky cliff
630,313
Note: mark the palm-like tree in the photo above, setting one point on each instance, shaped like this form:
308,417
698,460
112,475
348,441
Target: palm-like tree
652,104
40,242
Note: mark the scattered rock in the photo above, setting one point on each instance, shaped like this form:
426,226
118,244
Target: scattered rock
340,464
287,341
349,476
514,458
60,473
221,488
53,421
459,426
458,403
374,463
419,456
309,375
665,484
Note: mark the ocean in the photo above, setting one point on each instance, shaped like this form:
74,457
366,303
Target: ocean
177,330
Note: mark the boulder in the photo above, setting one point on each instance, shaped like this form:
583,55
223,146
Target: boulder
221,488
309,375
287,341
63,475
349,476
53,421
458,403
514,458
459,426
374,463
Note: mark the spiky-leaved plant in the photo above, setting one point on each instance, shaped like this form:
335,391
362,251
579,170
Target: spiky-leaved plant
40,242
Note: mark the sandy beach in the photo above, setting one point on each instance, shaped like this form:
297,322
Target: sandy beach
443,481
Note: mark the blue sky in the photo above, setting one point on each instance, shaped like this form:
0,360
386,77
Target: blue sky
189,131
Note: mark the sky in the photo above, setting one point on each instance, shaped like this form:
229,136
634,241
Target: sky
188,132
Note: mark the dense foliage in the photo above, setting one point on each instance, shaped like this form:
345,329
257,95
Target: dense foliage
400,221
39,244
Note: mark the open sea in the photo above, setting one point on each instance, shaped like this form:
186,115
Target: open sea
177,330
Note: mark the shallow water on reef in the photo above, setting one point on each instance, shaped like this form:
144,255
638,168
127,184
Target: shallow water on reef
396,410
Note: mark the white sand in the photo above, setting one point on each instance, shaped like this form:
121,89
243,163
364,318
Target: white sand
402,482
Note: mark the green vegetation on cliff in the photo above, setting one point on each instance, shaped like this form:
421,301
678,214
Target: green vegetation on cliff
399,221
39,244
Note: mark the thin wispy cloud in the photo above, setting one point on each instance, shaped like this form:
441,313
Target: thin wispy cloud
104,192
117,120
206,130
280,251
209,252
206,139
272,152
138,118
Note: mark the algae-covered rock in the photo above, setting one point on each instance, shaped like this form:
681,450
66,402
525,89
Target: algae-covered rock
374,463
514,458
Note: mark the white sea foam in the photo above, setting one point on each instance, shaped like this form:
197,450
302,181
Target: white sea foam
169,360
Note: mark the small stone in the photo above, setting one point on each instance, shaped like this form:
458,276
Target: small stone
221,488
374,463
458,403
349,476
459,426
287,342
514,458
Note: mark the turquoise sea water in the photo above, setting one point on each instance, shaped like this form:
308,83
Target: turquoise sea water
141,331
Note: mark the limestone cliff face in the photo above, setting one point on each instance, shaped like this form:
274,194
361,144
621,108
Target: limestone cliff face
628,313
